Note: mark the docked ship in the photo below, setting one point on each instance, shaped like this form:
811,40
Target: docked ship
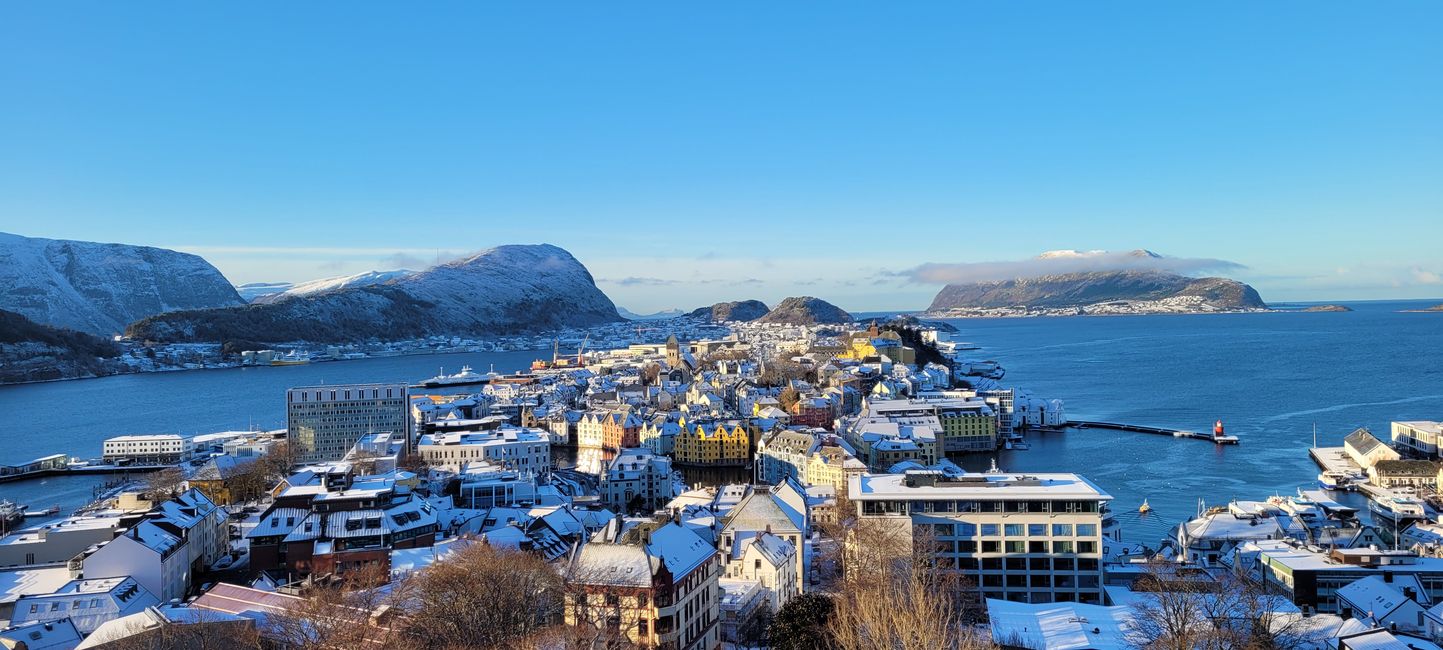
1397,510
466,377
12,516
295,358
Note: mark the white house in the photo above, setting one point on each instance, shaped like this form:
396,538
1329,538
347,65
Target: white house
156,559
782,511
87,603
1386,601
771,562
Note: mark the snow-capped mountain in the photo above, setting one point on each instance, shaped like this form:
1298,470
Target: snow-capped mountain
502,290
250,292
99,288
331,284
660,315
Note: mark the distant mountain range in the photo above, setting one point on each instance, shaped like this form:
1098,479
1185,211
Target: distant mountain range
660,315
504,290
99,288
1080,290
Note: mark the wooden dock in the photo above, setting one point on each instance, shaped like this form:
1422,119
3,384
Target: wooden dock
1159,431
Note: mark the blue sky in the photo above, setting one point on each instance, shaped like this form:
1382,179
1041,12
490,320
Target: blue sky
692,153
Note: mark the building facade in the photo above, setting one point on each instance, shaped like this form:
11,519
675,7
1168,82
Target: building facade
523,450
654,584
324,422
1025,538
713,443
158,449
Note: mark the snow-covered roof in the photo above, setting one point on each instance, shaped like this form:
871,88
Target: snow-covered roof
1059,626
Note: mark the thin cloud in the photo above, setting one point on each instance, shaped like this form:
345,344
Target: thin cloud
633,281
1424,276
1057,262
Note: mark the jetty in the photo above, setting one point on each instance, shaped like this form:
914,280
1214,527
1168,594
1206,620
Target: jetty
1160,431
77,470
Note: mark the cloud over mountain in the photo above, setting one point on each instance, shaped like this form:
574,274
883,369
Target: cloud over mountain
1065,261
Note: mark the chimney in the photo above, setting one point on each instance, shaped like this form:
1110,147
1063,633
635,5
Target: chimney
1388,576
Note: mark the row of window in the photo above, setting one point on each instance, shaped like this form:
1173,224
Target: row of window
1015,546
900,507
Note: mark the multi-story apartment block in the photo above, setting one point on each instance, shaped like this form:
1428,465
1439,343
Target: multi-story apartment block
1027,538
967,424
637,480
157,449
783,454
620,430
340,525
659,435
813,411
832,464
712,443
654,583
589,430
324,422
524,450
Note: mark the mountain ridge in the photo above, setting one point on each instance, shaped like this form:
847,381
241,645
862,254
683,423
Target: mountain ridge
508,289
98,288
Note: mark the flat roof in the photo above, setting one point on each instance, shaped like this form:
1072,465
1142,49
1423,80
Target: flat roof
875,487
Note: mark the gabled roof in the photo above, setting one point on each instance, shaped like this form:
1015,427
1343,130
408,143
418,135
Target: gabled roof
761,509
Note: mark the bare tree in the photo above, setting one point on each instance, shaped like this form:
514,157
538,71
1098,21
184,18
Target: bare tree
201,630
788,398
482,597
650,372
894,593
345,614
1187,608
164,484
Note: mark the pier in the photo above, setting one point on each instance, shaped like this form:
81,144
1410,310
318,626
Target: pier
1159,431
1335,459
82,469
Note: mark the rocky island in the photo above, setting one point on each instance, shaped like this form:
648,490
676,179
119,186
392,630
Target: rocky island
1096,292
805,310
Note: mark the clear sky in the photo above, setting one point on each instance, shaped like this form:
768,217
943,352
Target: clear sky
691,152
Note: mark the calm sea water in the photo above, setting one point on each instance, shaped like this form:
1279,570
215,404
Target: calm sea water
1269,377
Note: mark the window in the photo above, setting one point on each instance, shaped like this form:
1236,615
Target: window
1014,530
1017,546
1037,530
1062,530
1086,530
1062,547
1037,547
989,530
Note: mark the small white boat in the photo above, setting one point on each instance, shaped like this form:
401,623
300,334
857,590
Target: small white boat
1144,508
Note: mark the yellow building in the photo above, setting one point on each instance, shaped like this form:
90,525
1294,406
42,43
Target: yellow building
714,443
876,343
831,465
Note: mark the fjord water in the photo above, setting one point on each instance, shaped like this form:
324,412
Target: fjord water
1269,377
